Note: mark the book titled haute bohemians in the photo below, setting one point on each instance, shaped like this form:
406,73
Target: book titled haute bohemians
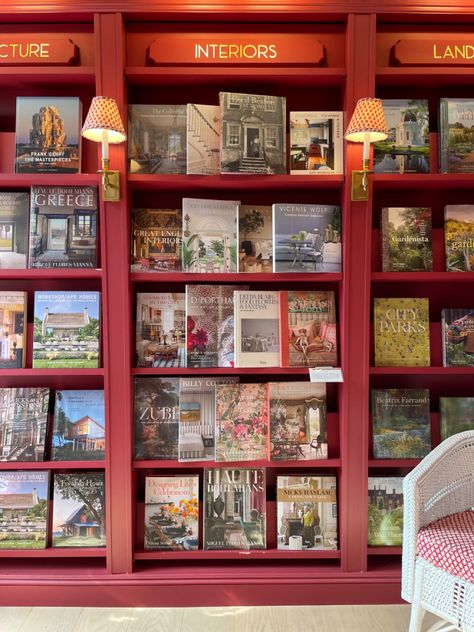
456,135
14,209
457,327
255,238
456,415
385,509
316,143
406,239
203,139
459,237
12,329
256,332
156,240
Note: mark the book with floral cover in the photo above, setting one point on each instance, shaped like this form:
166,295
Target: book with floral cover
457,327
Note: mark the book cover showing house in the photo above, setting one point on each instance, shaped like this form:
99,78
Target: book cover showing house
161,329
63,227
401,423
298,421
171,513
197,417
48,135
235,509
459,237
12,329
203,139
210,235
66,330
79,426
308,329
306,513
157,138
241,422
253,133
24,509
156,240
316,146
401,332
307,238
406,148
385,511
406,239
79,509
456,135
256,331
14,208
156,412
457,330
456,415
255,238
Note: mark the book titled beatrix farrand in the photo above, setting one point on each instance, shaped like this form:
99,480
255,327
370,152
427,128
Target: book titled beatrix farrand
459,237
256,332
457,327
316,143
12,329
406,239
203,139
14,208
456,135
456,415
401,332
255,238
156,240
385,511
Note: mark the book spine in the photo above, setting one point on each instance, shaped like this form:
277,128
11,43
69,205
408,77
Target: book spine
385,240
443,337
284,340
443,126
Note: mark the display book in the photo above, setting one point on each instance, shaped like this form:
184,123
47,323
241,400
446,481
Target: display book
14,208
459,237
385,511
406,239
13,329
316,146
456,140
156,240
256,328
457,327
456,415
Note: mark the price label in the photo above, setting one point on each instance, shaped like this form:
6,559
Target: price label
325,374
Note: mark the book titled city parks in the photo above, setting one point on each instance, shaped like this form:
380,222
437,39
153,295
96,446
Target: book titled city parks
401,332
14,208
171,513
457,327
234,509
456,415
203,139
316,143
63,227
406,239
256,331
401,423
66,330
459,237
456,135
385,511
255,238
156,240
47,135
79,509
12,329
24,499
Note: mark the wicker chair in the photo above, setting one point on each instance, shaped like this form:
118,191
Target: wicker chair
438,536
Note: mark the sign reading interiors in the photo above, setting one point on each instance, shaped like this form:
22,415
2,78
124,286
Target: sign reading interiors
38,49
457,51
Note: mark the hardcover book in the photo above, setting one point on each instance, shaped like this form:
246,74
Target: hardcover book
241,422
171,513
12,329
209,235
459,237
456,415
156,240
306,238
401,423
316,143
308,329
63,227
255,238
157,136
79,509
457,327
406,239
14,208
253,138
234,509
203,139
298,421
79,426
401,332
385,508
406,148
160,329
156,404
306,513
256,331
48,135
23,509
456,135
23,423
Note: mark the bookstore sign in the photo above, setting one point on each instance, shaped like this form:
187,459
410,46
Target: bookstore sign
434,52
38,49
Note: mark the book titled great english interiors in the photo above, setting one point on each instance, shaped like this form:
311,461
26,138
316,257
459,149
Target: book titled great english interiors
14,208
459,237
256,330
156,240
12,329
406,239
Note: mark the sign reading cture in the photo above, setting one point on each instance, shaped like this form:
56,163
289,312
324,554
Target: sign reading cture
38,49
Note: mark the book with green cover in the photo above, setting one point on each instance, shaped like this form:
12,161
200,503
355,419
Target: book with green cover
406,239
456,415
385,511
457,331
459,237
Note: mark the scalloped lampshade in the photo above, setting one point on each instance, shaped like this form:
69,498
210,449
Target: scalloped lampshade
367,122
103,116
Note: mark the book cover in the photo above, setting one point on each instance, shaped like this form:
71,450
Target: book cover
456,415
308,329
401,332
385,511
156,240
23,423
161,329
157,138
171,513
459,237
255,238
12,329
406,148
156,406
48,135
298,421
234,509
79,509
197,417
23,509
79,426
203,128
256,331
66,330
401,423
63,227
14,209
241,422
406,239
316,146
456,135
253,133
209,235
457,330
307,238
306,513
